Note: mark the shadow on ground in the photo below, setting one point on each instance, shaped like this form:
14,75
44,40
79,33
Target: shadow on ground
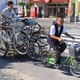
26,58
17,58
64,69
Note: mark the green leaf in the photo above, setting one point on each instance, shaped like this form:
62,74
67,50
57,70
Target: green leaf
22,3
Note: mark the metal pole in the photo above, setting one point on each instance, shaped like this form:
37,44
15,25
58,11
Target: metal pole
75,16
75,20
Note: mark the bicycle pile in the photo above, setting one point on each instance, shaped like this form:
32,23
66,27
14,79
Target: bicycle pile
23,36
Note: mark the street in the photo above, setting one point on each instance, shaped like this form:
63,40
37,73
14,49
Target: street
24,68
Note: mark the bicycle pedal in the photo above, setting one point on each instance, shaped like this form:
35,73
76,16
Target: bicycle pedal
52,63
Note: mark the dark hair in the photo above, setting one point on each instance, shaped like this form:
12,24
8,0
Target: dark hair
9,3
60,15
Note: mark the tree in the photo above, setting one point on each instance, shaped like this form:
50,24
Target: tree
29,5
22,4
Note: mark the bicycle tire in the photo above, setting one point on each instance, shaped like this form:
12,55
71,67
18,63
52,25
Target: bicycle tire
34,50
3,48
75,67
22,44
35,28
43,41
27,30
45,54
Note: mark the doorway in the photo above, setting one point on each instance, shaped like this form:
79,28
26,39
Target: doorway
39,13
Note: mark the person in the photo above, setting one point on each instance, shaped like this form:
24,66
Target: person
8,12
55,41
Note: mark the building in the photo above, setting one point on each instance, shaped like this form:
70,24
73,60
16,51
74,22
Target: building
50,7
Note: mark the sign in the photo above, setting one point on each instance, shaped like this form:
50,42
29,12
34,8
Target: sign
46,1
36,1
58,9
33,12
71,1
69,9
60,1
76,8
19,11
25,11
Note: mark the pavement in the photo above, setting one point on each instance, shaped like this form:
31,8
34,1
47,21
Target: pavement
46,22
24,68
7,71
11,74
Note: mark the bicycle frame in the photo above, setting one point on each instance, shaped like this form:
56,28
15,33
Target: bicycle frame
51,60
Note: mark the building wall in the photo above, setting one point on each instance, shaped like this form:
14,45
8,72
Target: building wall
2,4
45,1
37,1
39,5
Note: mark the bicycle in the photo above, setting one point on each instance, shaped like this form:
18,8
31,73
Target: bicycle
32,30
47,58
3,48
15,38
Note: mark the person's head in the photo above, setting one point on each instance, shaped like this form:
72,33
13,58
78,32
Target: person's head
60,20
10,5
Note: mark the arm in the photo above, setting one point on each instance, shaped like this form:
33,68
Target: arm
65,33
54,37
4,13
68,35
57,38
14,14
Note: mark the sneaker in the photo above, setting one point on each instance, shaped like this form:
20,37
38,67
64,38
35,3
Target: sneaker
57,66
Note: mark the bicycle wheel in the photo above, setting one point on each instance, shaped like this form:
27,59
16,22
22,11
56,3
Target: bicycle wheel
43,42
3,47
45,55
34,50
35,28
21,43
75,67
27,30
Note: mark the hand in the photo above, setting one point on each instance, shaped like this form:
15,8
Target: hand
4,24
60,40
73,37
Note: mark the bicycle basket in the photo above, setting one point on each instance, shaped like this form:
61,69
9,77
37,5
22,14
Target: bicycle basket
74,50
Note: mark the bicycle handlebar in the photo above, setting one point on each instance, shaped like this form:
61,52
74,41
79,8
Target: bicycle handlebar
67,41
